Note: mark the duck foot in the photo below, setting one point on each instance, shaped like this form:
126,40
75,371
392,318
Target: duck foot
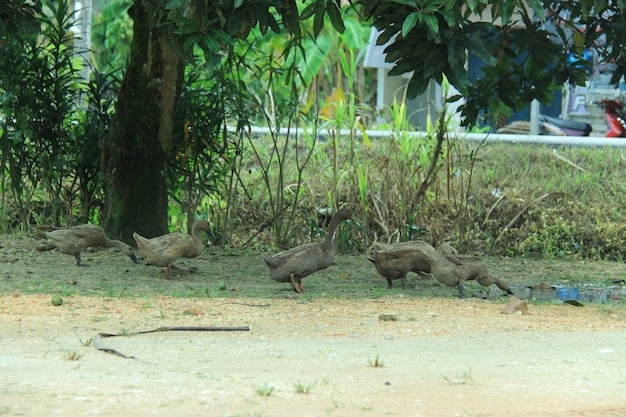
297,287
179,271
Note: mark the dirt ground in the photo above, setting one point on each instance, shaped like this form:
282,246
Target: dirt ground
301,356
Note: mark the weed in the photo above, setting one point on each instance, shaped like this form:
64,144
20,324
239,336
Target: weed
302,388
72,355
376,363
460,379
86,342
337,403
264,390
124,331
114,292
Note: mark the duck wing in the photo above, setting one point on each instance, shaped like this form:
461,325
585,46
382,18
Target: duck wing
302,260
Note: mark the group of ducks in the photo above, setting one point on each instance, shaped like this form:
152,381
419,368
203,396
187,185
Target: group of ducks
391,261
159,251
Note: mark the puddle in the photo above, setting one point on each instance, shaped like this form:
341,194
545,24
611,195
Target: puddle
593,293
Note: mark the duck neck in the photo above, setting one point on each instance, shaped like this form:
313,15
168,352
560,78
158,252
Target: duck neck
331,237
195,232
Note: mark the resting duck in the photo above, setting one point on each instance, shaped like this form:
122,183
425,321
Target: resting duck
73,240
294,264
453,270
164,250
397,260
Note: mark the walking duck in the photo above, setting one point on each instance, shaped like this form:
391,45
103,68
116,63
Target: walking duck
453,270
294,264
164,250
72,240
396,261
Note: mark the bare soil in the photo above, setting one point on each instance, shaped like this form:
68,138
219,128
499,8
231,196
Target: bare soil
443,356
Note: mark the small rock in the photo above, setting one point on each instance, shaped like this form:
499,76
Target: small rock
388,317
193,312
515,306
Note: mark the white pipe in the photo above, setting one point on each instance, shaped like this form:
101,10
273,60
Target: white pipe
472,137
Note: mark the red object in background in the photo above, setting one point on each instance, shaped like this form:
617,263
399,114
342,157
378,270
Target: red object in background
614,118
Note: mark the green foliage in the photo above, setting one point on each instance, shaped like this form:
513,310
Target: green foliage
202,152
53,126
111,34
524,49
39,83
19,16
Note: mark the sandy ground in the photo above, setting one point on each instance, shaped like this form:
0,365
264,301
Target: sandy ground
440,358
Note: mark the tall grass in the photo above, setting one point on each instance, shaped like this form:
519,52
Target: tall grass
523,199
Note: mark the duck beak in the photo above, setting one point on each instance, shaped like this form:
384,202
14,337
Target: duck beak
134,258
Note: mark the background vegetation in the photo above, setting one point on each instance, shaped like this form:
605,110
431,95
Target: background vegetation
274,189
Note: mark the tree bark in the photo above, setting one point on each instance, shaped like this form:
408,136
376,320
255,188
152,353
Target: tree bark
137,149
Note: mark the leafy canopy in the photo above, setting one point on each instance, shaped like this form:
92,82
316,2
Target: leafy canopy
525,47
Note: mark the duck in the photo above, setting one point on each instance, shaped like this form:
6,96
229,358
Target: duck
294,264
453,270
397,260
73,240
164,250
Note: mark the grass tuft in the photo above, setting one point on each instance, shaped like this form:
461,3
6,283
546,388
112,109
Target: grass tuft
302,388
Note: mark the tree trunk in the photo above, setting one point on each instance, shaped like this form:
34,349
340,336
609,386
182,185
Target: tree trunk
136,152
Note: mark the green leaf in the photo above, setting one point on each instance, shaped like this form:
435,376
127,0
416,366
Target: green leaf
238,3
172,4
409,23
432,23
411,3
417,85
508,7
318,22
335,17
310,10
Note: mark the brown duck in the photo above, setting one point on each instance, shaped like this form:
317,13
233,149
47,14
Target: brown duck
397,260
294,264
73,240
164,250
453,270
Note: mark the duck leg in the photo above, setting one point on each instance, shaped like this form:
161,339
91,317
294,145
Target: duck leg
79,262
461,290
297,287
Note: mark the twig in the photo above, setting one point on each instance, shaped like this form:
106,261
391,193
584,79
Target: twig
97,342
180,328
98,345
567,161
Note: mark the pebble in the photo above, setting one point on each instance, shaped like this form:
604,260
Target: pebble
388,317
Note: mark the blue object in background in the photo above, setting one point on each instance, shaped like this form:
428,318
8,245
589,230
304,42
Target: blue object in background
567,293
